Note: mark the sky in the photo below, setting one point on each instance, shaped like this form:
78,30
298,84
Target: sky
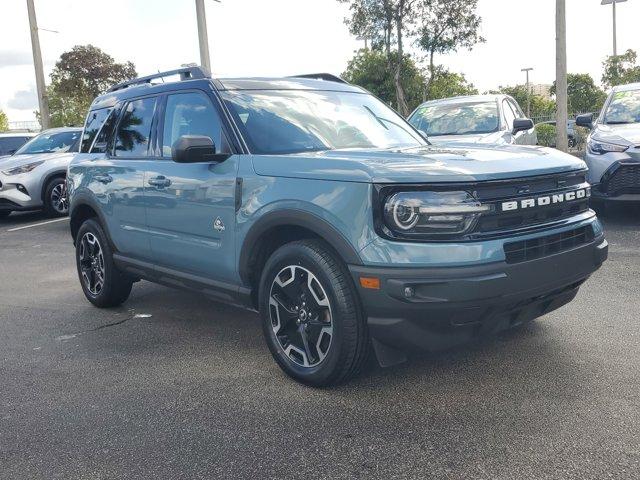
286,37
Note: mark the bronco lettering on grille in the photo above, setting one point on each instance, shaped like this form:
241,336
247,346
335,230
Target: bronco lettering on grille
545,200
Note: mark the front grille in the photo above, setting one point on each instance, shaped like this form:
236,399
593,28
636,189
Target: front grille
533,248
496,222
625,179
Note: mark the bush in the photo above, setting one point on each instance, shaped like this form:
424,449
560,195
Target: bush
546,134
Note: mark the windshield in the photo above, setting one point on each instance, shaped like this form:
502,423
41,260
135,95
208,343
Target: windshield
278,122
52,142
624,108
456,119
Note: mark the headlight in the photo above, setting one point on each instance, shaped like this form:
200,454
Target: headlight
599,148
425,213
23,168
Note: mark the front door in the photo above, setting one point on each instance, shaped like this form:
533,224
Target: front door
191,207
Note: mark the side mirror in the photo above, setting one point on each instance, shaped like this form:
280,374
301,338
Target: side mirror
522,125
585,120
195,149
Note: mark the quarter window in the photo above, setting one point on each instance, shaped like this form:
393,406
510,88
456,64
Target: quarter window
92,126
134,129
190,114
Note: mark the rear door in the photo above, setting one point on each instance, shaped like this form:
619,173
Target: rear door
118,163
191,207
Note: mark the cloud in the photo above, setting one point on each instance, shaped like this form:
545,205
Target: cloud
12,58
24,99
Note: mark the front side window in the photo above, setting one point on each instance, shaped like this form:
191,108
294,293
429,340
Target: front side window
8,145
134,128
457,119
294,121
52,142
623,108
190,114
92,126
509,115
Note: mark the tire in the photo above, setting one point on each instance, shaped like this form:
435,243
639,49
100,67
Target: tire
95,264
572,143
306,291
56,203
5,213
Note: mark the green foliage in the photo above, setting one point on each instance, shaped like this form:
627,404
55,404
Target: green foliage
369,69
4,122
78,77
546,134
447,84
540,106
583,94
621,69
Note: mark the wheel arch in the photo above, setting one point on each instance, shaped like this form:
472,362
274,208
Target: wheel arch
50,176
82,208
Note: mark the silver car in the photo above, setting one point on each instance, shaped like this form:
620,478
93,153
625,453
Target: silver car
613,146
34,176
493,119
10,142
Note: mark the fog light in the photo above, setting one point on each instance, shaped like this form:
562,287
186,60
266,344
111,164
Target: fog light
22,188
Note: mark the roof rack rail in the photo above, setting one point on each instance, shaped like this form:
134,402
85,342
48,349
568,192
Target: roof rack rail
327,77
187,73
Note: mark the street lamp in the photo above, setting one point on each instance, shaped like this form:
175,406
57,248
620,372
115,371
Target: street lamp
527,70
615,39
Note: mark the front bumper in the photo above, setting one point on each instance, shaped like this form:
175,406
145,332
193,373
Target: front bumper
437,308
615,176
19,192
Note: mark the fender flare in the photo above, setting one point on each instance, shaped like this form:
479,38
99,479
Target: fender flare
296,218
82,199
45,182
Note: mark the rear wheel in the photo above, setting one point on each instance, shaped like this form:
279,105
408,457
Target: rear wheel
311,317
55,198
102,283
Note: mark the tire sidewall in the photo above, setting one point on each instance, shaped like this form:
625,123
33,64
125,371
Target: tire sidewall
91,226
297,254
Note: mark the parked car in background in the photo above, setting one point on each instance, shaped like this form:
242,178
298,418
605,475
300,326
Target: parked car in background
34,176
571,132
10,142
491,119
613,146
312,201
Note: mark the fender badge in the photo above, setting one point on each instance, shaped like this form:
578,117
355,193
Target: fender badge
218,225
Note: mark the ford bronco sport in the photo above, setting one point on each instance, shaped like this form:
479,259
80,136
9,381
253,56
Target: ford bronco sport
311,201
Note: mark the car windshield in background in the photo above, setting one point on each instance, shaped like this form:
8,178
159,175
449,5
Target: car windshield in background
278,122
457,119
52,143
624,108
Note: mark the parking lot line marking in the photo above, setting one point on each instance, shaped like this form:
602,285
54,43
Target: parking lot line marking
36,224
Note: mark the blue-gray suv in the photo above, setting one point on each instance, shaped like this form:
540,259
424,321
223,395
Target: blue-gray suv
311,201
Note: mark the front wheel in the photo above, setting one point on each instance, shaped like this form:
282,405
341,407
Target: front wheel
102,283
56,203
311,316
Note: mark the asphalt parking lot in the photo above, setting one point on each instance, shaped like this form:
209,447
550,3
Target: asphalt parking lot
173,385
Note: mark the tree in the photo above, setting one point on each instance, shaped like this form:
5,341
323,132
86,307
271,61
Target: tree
368,68
78,77
444,26
584,95
621,69
4,122
445,84
386,23
540,106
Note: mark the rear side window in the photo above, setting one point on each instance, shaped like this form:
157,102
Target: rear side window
190,114
134,129
93,125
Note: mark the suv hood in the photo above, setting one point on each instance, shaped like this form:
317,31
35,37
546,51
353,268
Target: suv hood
493,137
17,160
630,133
460,163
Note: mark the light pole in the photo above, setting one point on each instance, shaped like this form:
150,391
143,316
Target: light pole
203,37
562,140
615,20
43,101
527,70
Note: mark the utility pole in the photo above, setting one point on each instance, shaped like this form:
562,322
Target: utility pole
203,36
43,101
615,21
527,70
561,76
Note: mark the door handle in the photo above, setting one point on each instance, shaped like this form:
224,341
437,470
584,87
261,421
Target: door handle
103,178
159,182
